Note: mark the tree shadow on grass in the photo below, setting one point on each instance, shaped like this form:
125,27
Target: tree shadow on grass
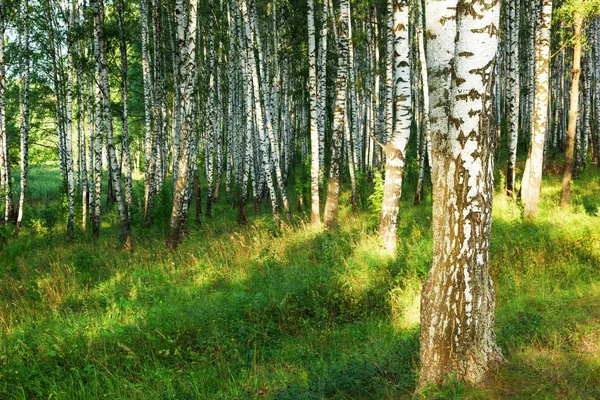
548,309
288,324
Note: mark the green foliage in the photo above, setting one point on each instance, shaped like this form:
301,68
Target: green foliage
450,389
376,198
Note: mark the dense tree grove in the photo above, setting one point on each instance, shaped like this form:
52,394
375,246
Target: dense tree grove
262,102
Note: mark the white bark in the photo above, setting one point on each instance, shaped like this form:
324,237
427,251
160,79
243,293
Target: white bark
314,129
513,96
457,305
532,177
24,110
333,187
395,149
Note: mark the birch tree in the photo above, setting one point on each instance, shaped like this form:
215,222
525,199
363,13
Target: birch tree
532,177
253,66
186,14
513,97
425,144
24,108
333,184
69,126
5,179
212,112
125,152
395,149
103,97
315,216
148,160
573,111
457,303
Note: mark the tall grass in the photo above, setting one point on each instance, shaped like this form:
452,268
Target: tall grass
294,313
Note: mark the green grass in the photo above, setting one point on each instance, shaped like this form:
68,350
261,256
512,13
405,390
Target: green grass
294,313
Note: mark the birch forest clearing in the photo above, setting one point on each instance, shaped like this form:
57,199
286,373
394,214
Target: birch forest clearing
300,199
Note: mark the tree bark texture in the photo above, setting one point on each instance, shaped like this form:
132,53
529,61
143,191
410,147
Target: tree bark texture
457,303
565,199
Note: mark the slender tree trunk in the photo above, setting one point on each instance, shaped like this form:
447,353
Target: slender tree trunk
81,134
69,129
258,109
596,36
389,74
24,112
186,40
176,124
124,97
532,177
5,178
212,112
103,97
513,96
425,148
457,303
333,184
573,112
315,216
268,122
395,149
148,160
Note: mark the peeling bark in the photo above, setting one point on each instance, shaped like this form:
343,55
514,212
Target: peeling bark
457,303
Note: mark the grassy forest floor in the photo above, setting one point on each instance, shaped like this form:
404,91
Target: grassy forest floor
296,313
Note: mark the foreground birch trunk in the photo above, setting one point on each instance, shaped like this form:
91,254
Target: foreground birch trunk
457,304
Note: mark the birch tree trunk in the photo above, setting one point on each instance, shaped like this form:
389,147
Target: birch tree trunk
333,184
126,160
81,132
186,40
425,148
104,99
457,303
532,177
513,95
24,111
565,199
268,120
95,150
5,179
395,149
389,74
258,109
315,216
596,36
176,113
69,128
212,116
322,82
148,161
